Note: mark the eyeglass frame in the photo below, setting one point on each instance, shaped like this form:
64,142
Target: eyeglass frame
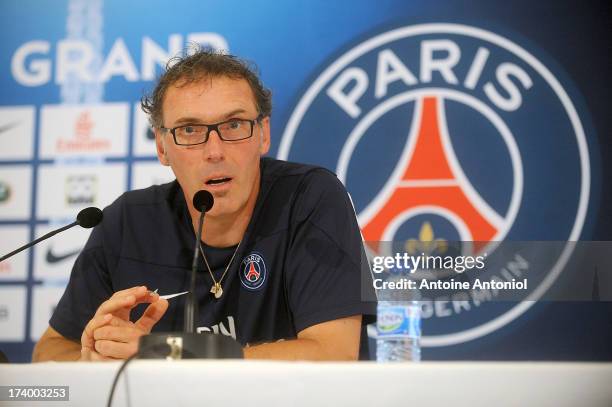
215,127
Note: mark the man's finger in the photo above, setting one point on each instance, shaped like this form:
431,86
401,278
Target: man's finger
152,315
117,303
141,293
85,354
116,350
137,291
97,321
123,334
118,322
89,355
96,357
124,303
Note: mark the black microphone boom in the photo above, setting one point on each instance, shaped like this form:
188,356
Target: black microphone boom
87,218
203,202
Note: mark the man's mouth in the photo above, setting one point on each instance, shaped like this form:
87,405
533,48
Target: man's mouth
218,181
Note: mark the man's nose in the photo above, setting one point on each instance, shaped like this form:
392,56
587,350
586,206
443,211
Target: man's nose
214,147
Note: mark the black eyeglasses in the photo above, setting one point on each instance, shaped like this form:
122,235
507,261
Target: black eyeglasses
229,130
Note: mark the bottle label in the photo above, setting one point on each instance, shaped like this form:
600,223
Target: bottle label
399,322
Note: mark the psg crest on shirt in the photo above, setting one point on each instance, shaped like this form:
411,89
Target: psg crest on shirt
447,132
253,271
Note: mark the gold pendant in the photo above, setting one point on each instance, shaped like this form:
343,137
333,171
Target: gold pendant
213,289
218,291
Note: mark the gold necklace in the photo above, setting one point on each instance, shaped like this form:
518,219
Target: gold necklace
216,288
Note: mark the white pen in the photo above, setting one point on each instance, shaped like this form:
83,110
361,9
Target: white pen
168,296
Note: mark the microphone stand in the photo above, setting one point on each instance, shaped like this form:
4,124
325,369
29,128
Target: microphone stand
191,302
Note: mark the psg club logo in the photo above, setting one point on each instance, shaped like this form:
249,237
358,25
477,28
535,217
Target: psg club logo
253,271
447,132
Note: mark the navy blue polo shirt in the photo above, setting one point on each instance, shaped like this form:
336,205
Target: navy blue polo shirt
299,263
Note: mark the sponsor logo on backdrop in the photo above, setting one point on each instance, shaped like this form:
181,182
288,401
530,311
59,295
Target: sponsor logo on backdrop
5,267
82,139
145,174
450,133
81,189
88,130
53,257
44,302
4,128
62,190
15,184
15,268
143,134
16,132
5,191
12,313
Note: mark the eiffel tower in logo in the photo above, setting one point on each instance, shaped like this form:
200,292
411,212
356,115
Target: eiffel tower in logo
429,180
252,275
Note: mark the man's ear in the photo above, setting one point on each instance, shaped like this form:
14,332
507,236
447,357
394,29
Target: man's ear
264,135
161,147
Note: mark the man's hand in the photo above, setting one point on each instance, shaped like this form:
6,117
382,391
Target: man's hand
110,335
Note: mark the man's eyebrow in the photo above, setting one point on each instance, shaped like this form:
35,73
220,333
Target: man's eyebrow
195,120
234,113
187,120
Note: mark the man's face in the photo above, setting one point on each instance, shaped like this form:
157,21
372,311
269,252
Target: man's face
229,170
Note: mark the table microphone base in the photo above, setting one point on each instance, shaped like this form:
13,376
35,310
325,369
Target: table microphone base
181,345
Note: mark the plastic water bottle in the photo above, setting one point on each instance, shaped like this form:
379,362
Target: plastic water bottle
398,326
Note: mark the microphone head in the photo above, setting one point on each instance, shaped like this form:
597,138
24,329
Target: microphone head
89,217
203,200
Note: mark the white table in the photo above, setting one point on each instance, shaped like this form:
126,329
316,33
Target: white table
253,383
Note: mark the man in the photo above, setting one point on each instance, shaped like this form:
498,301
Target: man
281,249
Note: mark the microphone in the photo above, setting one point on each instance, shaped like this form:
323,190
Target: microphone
202,202
188,344
87,218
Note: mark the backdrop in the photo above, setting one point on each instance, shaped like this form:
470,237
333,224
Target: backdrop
449,120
